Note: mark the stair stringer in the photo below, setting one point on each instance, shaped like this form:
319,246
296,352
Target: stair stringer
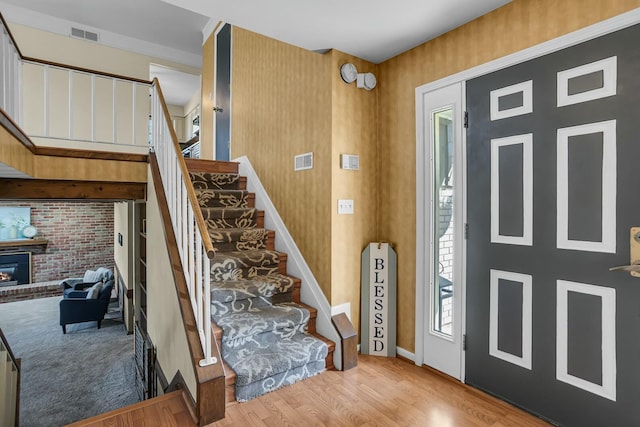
310,293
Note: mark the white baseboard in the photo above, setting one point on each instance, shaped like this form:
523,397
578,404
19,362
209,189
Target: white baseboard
406,354
342,308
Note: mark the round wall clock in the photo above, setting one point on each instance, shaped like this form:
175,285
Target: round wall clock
29,231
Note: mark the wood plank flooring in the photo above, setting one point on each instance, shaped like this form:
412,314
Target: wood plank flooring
169,410
378,392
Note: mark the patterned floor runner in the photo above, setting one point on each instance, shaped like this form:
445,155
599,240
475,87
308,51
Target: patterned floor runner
265,339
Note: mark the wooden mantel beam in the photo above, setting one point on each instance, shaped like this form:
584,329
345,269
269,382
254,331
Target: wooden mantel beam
74,190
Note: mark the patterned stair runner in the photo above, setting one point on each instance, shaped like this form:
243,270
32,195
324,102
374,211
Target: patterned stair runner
267,335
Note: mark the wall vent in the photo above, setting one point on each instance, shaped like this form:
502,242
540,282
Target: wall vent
83,34
303,162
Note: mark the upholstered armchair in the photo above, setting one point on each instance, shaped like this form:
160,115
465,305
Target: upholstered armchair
85,306
73,284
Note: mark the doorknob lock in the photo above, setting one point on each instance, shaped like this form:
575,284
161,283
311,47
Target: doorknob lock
218,109
634,254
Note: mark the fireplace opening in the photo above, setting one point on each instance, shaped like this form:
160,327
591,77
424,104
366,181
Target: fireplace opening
8,274
15,269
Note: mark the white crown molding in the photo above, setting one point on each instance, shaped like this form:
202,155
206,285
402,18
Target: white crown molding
40,21
209,28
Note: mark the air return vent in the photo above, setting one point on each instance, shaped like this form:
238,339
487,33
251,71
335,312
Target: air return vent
303,161
82,34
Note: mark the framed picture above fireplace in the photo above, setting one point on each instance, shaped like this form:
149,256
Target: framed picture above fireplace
13,221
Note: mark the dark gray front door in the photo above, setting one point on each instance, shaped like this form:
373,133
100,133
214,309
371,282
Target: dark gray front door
553,155
223,92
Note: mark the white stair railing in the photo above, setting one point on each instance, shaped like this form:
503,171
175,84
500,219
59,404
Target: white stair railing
10,75
9,389
189,227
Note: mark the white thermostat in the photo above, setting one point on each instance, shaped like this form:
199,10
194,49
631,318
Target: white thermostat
350,162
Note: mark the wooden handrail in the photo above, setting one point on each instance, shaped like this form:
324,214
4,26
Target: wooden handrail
85,70
210,399
191,194
7,122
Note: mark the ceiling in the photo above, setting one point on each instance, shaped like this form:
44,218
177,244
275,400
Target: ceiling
177,87
374,30
171,26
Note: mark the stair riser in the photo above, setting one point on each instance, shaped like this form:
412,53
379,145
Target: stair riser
219,199
203,181
232,270
247,221
225,242
233,218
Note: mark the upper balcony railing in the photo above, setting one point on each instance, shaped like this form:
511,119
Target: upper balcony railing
67,103
66,106
11,74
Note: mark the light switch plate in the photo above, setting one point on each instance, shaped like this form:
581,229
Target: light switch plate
345,207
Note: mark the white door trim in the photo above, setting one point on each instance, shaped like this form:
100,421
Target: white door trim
422,140
215,81
424,254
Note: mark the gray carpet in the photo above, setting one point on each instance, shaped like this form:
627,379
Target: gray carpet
66,378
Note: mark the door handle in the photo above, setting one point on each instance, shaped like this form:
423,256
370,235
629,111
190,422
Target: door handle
634,251
218,109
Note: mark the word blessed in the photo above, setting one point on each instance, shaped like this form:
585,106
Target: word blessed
379,303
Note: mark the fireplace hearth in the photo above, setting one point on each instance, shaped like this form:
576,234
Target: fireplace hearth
15,269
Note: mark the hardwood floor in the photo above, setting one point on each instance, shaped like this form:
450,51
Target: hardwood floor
378,392
169,410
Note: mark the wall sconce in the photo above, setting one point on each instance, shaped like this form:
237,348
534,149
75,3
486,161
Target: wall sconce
349,74
366,81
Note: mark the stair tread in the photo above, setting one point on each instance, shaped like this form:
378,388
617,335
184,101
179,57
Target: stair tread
238,234
217,166
266,355
265,286
249,263
284,319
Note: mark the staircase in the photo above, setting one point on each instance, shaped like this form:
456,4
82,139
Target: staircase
266,335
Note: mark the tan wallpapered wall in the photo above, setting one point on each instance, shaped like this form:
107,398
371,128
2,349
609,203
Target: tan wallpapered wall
281,108
353,131
514,27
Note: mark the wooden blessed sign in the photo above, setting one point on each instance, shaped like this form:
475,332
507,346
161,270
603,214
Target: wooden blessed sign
378,300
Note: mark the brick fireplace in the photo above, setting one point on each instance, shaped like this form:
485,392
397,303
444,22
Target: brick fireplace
78,234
